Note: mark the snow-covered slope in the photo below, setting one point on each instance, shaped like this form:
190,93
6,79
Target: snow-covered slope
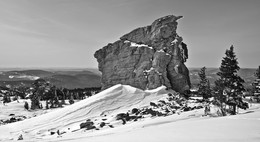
184,127
116,99
244,127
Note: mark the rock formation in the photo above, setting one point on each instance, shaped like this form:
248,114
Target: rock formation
147,58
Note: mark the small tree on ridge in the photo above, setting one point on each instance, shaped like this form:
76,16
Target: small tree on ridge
230,83
204,85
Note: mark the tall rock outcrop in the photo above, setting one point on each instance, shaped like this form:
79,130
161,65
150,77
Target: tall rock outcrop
147,58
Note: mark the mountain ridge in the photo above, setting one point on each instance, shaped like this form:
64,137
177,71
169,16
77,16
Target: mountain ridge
246,73
81,76
74,78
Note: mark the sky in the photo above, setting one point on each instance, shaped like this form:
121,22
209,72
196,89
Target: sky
66,33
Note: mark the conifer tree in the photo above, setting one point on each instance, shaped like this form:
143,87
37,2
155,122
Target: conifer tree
204,85
256,85
230,83
38,91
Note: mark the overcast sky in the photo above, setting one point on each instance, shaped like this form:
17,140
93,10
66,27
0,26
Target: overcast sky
66,33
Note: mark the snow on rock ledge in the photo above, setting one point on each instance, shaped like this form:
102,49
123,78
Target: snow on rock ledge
156,46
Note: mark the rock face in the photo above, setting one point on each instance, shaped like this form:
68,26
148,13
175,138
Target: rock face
147,58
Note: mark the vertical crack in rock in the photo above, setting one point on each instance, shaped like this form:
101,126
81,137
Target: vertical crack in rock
147,58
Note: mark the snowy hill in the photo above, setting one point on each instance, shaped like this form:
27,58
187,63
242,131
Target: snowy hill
187,126
116,99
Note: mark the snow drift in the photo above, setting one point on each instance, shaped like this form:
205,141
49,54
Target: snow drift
116,99
120,98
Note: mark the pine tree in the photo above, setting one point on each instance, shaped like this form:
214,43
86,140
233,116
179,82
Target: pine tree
230,83
38,92
256,85
204,85
219,96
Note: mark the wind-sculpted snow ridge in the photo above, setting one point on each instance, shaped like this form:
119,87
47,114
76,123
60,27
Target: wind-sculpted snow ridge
114,100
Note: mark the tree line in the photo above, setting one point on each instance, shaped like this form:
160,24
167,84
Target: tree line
42,90
228,89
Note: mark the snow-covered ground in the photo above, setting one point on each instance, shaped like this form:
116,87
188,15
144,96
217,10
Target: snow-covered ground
182,128
16,108
186,126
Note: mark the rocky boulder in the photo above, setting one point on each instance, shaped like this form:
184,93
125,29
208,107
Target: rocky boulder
147,58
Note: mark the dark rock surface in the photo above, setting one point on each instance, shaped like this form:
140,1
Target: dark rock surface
147,58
